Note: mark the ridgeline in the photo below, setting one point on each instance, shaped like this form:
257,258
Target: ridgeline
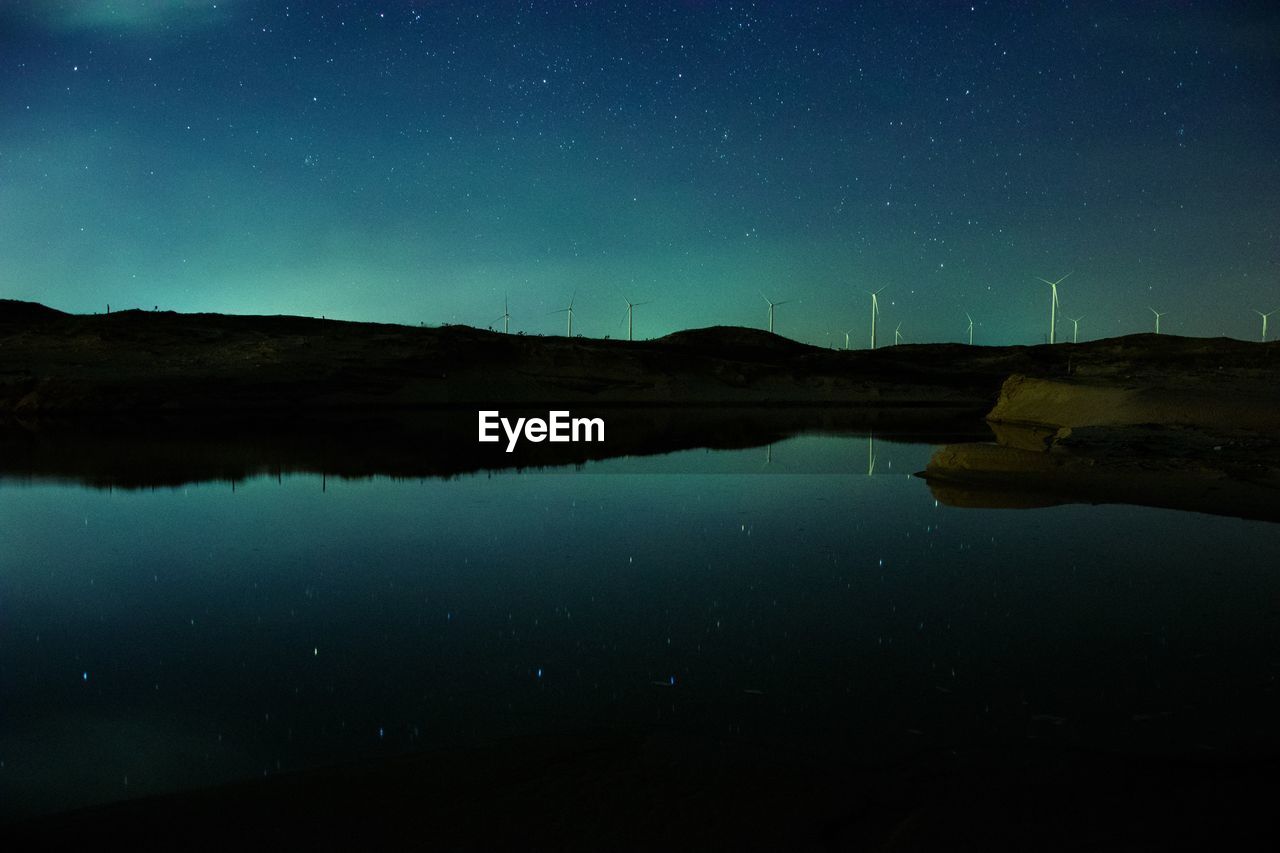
140,362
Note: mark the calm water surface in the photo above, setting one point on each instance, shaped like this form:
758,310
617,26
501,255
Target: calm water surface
153,641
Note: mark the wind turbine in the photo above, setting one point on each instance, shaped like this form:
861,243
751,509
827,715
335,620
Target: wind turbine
569,310
970,316
1053,308
505,318
875,313
1075,328
897,335
1264,321
846,338
772,305
871,453
1158,314
630,307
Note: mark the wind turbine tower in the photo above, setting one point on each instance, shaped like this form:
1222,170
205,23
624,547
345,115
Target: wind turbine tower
505,318
897,335
875,313
772,305
970,316
1264,321
1053,306
1158,314
631,307
1075,328
568,311
846,338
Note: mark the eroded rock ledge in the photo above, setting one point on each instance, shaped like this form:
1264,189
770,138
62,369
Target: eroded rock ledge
1182,446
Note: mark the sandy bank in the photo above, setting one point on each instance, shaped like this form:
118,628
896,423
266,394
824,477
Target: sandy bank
1054,403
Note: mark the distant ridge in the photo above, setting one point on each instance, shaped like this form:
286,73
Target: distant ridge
134,361
729,339
17,311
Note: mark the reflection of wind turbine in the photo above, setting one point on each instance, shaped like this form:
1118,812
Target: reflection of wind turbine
897,335
1158,314
630,307
1053,307
772,305
871,453
875,313
1075,328
505,318
1264,321
846,338
970,316
569,311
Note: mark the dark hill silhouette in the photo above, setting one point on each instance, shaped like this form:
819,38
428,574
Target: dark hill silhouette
134,362
734,339
14,312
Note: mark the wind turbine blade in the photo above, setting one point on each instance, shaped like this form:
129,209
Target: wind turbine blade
1046,281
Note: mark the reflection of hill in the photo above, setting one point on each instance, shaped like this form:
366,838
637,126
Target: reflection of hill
435,443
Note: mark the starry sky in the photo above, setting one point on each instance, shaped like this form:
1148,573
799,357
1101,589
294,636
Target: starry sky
418,162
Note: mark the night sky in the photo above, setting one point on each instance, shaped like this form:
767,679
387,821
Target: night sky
417,162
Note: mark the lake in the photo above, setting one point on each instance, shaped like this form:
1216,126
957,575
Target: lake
809,597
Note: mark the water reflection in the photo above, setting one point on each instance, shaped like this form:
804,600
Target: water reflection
1237,475
163,640
438,443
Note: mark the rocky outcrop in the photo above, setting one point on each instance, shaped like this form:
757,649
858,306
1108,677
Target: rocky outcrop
1055,403
1182,444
